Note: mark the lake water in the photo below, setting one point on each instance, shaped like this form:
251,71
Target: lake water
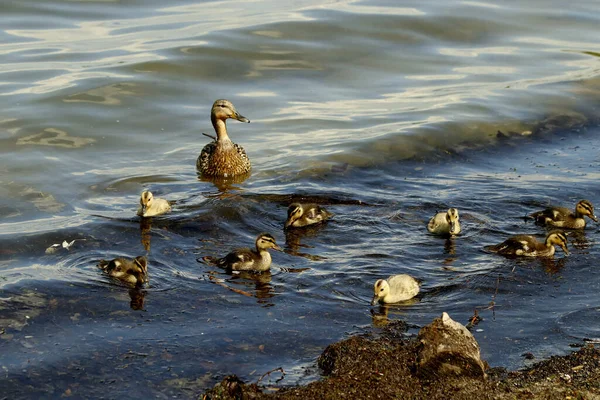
385,113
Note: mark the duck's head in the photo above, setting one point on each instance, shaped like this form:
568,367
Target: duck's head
294,213
134,272
584,207
223,109
146,200
266,241
380,290
452,218
559,239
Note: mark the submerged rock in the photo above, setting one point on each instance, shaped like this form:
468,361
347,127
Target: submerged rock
448,348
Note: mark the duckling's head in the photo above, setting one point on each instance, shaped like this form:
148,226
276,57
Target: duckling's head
135,272
559,239
294,212
223,109
146,200
452,218
380,290
584,207
266,241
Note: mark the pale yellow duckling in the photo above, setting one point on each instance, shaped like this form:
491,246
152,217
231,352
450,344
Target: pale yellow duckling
528,246
247,259
562,217
395,289
134,272
300,215
445,223
222,158
151,206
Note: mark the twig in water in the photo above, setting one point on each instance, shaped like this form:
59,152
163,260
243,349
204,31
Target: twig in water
269,373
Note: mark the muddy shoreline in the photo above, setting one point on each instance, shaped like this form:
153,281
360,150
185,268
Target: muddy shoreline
384,365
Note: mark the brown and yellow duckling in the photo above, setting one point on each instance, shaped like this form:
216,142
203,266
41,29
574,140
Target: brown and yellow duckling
134,272
394,289
247,259
528,246
300,215
222,158
151,206
445,223
562,217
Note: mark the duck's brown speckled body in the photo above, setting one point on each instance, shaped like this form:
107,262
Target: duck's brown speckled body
562,217
134,272
301,215
528,246
222,158
249,259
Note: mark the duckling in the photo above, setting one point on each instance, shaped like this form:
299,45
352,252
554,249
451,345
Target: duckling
528,246
223,158
247,259
134,272
151,207
396,288
562,217
300,215
445,223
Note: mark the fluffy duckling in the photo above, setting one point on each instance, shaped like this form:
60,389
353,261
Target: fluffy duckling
300,215
528,246
222,158
445,223
151,207
396,288
134,272
249,259
562,217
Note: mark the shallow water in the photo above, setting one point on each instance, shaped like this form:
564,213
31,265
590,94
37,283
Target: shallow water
383,114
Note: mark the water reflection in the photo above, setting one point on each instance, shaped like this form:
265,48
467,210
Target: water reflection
137,297
250,284
225,185
145,226
381,317
293,239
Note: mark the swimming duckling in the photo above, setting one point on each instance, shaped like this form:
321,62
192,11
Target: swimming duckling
396,288
223,158
300,215
564,218
445,223
249,259
151,207
528,246
134,272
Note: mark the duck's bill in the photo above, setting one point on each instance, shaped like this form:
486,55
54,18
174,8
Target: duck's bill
241,118
276,247
594,218
453,228
375,300
566,250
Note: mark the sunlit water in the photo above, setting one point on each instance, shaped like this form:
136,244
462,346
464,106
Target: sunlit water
385,114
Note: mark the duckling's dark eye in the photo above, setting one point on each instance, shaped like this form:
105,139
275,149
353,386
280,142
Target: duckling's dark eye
381,290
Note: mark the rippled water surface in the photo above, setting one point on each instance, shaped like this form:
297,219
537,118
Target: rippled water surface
383,112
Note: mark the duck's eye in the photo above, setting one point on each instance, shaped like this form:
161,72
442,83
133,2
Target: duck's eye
381,290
